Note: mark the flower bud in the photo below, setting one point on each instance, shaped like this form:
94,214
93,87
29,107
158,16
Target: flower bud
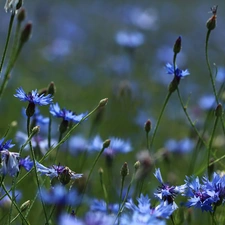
25,206
51,89
148,126
219,110
21,15
177,45
26,33
137,165
211,23
35,130
103,102
106,143
124,170
65,176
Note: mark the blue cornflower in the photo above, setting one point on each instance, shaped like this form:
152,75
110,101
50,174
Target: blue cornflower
77,144
9,163
33,97
63,173
60,196
144,213
26,163
5,146
206,195
167,193
177,72
65,114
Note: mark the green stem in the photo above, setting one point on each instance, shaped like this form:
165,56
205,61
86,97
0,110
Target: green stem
49,131
88,178
159,119
121,191
210,145
209,67
35,169
7,39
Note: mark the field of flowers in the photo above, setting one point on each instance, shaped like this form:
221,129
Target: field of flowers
112,113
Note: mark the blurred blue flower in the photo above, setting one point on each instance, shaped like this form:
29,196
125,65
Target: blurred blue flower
100,205
33,97
9,163
144,213
60,196
117,145
182,146
67,219
65,114
26,163
206,195
5,146
77,144
167,193
129,39
178,73
207,102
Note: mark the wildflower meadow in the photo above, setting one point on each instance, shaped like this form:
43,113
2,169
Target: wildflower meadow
102,123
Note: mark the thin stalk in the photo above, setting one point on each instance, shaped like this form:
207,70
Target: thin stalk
159,119
7,39
49,131
89,175
121,191
210,144
35,168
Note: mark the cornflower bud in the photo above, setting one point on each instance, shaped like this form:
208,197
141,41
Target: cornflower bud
51,89
148,126
219,110
25,206
26,33
177,45
211,23
137,165
106,143
124,170
21,15
103,102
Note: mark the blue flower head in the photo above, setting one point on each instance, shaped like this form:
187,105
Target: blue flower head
177,72
65,114
33,97
167,193
5,146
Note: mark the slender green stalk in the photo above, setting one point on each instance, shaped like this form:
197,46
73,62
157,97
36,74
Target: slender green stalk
14,203
7,39
147,141
103,187
159,119
35,168
49,130
209,67
210,144
89,175
121,191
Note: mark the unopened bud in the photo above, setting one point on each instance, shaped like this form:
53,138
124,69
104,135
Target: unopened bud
25,206
26,33
51,89
21,15
65,176
106,143
177,45
100,171
148,126
137,165
219,110
103,102
124,170
35,130
211,23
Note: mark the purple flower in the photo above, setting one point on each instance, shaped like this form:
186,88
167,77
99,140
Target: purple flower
206,195
65,114
5,146
33,97
63,173
26,163
177,72
167,193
